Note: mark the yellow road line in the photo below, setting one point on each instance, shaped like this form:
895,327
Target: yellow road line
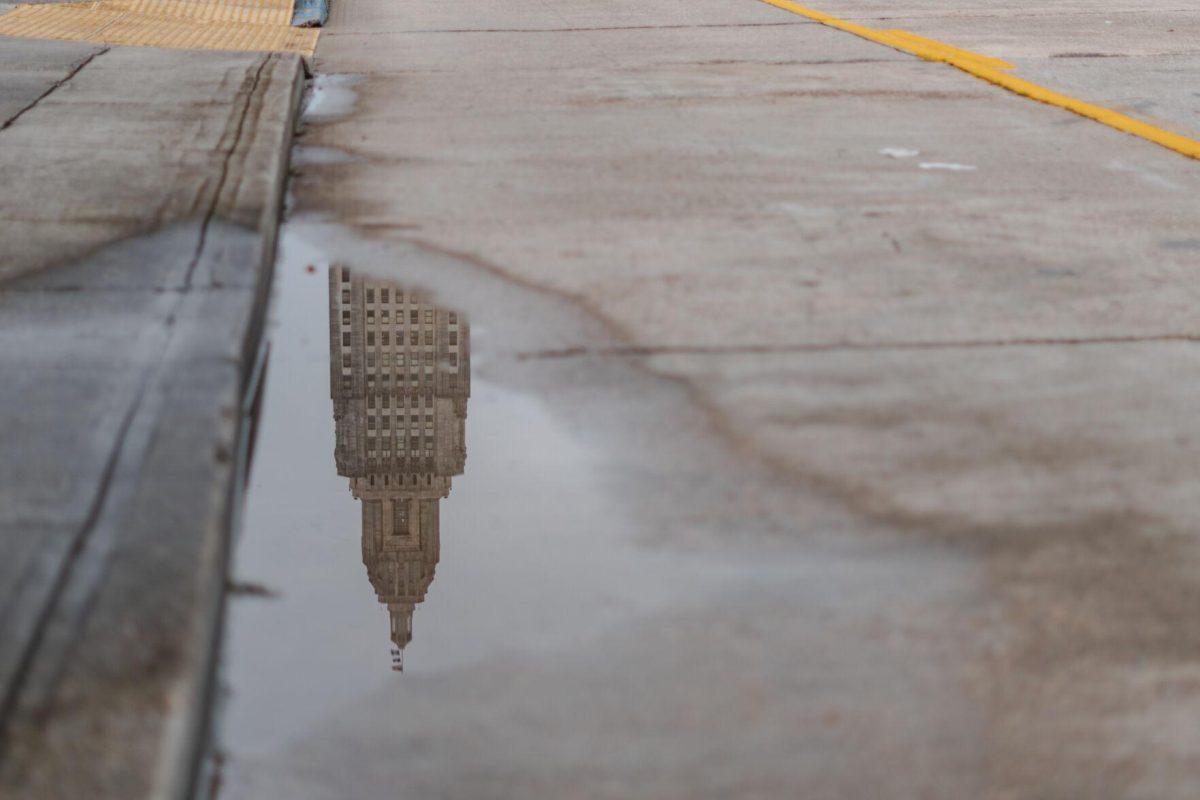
912,40
995,71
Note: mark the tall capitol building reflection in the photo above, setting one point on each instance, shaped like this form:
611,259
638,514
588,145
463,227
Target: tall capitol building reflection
400,376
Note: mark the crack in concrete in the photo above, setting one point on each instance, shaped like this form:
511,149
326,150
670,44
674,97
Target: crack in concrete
837,347
250,86
580,29
1089,55
821,62
10,691
8,123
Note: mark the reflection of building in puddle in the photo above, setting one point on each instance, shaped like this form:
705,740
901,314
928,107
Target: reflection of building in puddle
400,375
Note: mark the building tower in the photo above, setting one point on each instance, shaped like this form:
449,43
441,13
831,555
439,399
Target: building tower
399,376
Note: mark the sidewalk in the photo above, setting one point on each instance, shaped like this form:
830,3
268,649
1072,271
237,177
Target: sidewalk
138,219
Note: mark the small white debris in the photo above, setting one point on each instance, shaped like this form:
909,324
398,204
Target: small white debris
946,166
899,152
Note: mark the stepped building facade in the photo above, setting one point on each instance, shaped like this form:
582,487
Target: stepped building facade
399,376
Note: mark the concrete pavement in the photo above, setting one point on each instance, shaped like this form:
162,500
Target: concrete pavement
922,345
958,328
141,192
1135,56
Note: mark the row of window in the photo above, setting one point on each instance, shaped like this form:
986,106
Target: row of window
413,364
386,297
415,437
405,401
400,480
408,380
415,434
388,453
385,293
385,401
399,360
385,315
413,338
413,368
411,381
385,319
386,422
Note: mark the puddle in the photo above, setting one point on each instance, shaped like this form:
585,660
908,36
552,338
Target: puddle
330,97
475,575
306,155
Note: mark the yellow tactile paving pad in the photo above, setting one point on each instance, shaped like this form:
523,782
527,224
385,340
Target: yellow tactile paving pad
256,25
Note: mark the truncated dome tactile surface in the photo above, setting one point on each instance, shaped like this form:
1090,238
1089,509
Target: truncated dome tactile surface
256,25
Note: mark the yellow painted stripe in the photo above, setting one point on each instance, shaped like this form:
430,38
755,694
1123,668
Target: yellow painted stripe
912,40
996,72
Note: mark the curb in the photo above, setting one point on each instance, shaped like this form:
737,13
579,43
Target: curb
181,769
